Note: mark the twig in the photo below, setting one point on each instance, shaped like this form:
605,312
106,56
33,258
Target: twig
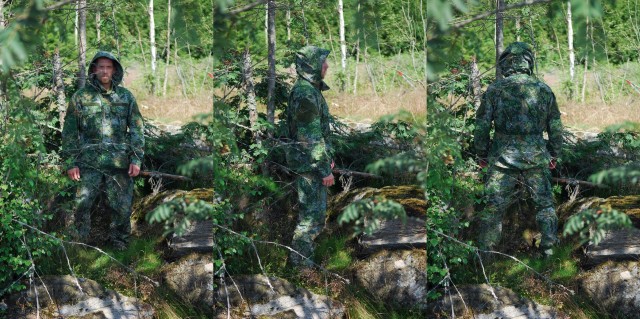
509,256
59,4
573,181
247,7
164,175
488,13
132,271
345,280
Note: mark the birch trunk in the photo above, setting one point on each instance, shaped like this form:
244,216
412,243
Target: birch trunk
1,25
476,89
518,28
98,25
58,87
343,43
288,24
82,45
166,69
572,54
499,34
152,41
271,85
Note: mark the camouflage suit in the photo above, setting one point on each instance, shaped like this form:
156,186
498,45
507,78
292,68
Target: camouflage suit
521,108
102,135
309,155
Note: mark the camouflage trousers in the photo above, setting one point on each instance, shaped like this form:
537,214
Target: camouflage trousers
501,189
312,207
118,188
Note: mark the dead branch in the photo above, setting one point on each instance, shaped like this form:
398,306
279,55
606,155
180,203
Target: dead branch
164,175
573,181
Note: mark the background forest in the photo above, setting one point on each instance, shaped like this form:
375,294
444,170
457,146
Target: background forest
212,79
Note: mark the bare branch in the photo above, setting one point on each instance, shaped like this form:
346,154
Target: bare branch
59,4
489,13
247,7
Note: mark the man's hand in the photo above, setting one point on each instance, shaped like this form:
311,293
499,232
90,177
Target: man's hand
74,174
328,180
333,164
482,162
134,170
552,164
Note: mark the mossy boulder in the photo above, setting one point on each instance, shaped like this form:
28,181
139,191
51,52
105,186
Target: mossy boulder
411,197
629,204
614,286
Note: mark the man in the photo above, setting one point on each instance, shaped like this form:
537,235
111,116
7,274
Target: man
103,142
309,156
521,108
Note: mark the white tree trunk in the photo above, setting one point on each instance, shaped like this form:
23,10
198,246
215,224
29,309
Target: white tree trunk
499,34
166,69
249,89
355,72
572,54
288,24
58,87
271,85
518,28
98,25
343,43
152,41
1,19
75,29
82,45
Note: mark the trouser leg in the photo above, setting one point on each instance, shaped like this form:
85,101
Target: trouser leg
90,186
538,182
119,189
312,206
499,189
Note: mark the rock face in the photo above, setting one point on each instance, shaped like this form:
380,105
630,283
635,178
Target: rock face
393,234
622,244
59,296
248,295
485,302
397,277
615,287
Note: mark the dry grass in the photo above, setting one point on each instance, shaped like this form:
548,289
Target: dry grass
175,109
367,106
595,115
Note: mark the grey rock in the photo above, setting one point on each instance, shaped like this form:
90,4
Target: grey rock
487,302
66,296
615,286
397,277
394,234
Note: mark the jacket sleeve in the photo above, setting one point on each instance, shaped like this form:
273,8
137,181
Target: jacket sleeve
484,118
71,135
312,144
554,128
136,133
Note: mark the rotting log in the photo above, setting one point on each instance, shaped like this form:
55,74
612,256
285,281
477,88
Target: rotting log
618,245
394,234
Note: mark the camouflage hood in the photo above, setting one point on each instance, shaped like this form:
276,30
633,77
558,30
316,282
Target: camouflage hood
517,58
118,72
309,62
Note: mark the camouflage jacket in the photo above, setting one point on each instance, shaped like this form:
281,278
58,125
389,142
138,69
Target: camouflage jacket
103,129
308,116
521,108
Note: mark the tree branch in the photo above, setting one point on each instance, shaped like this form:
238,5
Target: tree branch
59,4
489,13
247,7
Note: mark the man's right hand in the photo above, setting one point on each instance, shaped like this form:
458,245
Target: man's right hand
328,180
482,162
74,174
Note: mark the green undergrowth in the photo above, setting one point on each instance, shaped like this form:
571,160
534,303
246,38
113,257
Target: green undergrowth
334,253
93,264
547,281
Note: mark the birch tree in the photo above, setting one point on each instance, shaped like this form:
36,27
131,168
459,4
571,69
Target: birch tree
271,84
343,43
499,35
82,43
152,40
98,25
58,87
572,54
166,69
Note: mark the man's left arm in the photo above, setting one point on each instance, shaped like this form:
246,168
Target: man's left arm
136,137
554,129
